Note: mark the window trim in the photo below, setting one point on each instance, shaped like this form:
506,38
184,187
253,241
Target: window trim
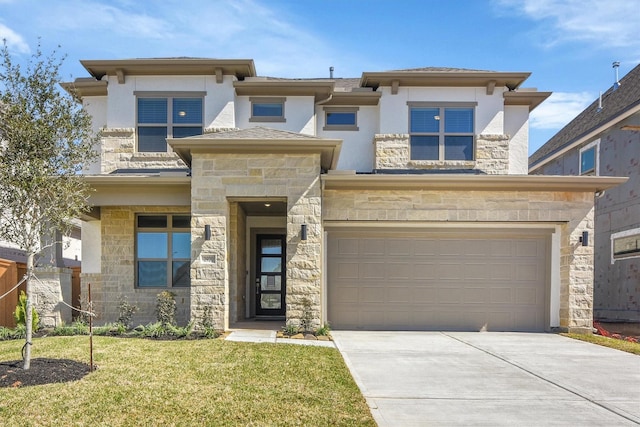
169,229
441,131
620,235
595,145
353,127
267,100
169,125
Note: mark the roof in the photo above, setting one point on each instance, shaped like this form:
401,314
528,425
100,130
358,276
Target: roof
442,76
241,68
617,105
257,133
258,140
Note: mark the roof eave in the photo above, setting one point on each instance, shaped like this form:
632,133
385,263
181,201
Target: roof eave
319,90
512,80
241,68
329,149
472,182
529,98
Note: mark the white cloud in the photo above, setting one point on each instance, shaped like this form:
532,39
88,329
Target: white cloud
15,42
559,109
609,23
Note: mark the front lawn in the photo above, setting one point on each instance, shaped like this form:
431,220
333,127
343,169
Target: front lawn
192,382
618,344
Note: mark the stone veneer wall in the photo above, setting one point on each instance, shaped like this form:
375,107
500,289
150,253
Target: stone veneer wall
216,180
573,211
492,155
52,285
118,269
118,151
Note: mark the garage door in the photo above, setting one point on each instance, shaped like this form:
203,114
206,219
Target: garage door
463,281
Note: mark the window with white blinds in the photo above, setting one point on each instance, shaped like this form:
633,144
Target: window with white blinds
441,132
167,117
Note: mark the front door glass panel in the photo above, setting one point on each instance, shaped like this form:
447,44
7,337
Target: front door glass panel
270,275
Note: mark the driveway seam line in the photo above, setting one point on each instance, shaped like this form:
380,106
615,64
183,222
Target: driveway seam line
514,364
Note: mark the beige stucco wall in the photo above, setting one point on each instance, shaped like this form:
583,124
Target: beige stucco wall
218,182
571,212
117,277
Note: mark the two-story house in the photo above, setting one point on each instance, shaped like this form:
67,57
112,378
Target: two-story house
397,200
604,140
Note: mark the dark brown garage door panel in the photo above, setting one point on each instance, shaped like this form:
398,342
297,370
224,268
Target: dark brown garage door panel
453,282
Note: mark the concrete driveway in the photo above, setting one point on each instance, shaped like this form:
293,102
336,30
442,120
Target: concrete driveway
510,379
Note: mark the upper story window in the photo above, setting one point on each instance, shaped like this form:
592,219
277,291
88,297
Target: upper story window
340,118
589,158
442,131
267,109
625,244
163,250
161,117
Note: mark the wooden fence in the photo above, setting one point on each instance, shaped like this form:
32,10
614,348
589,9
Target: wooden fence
10,273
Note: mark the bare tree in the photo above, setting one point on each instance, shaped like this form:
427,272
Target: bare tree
45,140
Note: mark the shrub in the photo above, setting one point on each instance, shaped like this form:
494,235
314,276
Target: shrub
76,328
323,330
110,329
307,315
208,328
20,314
126,312
290,329
166,308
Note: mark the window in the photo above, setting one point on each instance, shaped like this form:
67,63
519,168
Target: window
589,158
167,117
163,250
340,118
267,109
441,132
625,244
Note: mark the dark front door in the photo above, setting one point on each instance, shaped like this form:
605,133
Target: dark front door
270,275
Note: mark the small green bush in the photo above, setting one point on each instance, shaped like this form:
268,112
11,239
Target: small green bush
166,308
20,314
76,328
126,312
291,329
111,329
323,330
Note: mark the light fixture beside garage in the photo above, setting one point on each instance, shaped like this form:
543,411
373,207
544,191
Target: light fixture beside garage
207,232
584,239
303,232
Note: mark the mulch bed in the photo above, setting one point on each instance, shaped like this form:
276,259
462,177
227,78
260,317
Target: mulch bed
42,371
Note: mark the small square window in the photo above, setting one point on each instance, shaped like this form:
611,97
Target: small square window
589,158
337,118
267,110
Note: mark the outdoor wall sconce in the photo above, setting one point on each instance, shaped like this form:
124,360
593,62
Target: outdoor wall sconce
207,232
584,239
303,232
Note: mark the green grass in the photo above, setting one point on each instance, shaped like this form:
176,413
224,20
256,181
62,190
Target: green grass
629,347
203,382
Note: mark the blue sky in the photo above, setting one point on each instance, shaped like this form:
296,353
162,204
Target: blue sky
568,45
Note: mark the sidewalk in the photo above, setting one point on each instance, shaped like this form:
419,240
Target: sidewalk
261,336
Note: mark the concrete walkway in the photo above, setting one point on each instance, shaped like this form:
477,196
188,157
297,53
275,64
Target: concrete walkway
496,379
261,335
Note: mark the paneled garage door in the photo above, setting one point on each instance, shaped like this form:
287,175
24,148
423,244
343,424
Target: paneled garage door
463,281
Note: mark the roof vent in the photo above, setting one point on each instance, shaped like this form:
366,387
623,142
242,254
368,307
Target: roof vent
616,65
331,72
599,103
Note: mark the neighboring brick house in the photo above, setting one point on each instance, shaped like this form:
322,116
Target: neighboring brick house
604,140
397,200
